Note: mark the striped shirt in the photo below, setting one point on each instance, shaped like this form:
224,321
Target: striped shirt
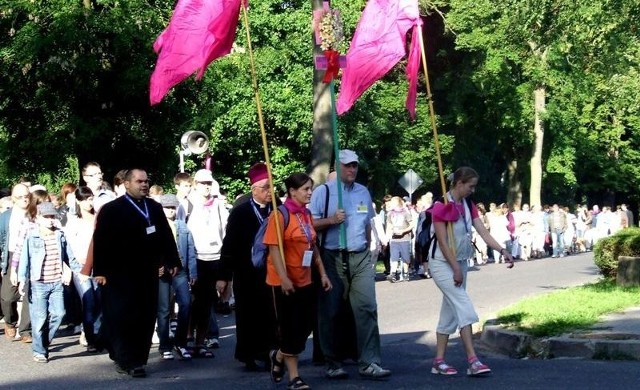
51,267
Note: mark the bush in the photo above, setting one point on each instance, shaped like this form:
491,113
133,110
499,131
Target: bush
624,243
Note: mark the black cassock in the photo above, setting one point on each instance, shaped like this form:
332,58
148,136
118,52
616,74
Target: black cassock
255,321
129,248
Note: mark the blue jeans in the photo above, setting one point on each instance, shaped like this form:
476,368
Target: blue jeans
214,329
557,237
47,300
180,284
91,307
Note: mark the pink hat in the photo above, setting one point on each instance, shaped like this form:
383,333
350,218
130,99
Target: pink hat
257,172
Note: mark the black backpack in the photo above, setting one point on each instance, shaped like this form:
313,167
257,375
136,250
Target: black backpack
424,236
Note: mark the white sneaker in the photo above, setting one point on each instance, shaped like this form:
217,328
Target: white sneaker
212,343
83,339
167,355
374,371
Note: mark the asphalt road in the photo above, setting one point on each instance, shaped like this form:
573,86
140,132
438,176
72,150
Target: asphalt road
407,317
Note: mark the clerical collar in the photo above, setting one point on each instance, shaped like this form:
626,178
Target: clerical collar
259,204
137,200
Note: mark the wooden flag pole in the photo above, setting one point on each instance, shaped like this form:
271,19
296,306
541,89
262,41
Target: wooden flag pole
436,140
263,133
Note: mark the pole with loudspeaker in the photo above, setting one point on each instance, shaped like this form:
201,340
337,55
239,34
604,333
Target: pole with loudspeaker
192,142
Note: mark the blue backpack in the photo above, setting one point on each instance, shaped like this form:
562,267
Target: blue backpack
259,251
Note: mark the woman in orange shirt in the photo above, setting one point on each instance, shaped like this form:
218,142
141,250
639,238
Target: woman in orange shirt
292,287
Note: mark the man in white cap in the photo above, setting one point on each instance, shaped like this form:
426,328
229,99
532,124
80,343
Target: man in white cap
207,223
349,269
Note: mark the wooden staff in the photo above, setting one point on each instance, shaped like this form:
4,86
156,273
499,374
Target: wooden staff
263,133
432,115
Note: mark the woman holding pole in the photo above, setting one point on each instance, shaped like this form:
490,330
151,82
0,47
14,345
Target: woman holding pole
452,223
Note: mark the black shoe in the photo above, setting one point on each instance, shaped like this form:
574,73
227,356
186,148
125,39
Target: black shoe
120,369
251,365
138,372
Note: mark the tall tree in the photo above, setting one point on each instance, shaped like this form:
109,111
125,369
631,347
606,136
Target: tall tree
525,55
74,86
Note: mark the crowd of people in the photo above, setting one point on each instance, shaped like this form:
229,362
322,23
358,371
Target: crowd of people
81,256
527,232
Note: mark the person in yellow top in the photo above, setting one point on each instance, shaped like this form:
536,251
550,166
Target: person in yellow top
290,280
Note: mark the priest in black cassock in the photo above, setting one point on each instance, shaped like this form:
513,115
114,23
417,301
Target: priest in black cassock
255,321
131,242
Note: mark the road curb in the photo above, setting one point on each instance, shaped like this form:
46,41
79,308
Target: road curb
605,346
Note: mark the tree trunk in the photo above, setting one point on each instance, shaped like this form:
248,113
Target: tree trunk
322,143
540,95
514,193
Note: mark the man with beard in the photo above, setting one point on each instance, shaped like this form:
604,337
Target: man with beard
132,240
255,332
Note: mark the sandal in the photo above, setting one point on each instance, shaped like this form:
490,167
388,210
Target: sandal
183,353
203,352
442,368
298,384
276,375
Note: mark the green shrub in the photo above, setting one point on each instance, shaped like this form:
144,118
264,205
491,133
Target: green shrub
624,243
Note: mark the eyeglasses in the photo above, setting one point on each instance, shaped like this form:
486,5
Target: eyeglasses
94,174
266,187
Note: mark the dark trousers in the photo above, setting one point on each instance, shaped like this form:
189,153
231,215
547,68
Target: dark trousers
130,306
9,297
204,297
386,259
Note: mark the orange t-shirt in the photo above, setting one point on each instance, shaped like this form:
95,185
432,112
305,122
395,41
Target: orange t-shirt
295,243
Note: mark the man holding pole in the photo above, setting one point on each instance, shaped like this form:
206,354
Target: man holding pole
347,261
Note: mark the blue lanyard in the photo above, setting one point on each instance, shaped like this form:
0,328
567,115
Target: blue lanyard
464,211
144,213
306,228
256,212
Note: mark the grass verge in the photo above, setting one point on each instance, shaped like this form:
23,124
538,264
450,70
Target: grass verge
568,310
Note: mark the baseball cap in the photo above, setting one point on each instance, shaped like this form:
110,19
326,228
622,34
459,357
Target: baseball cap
47,209
348,156
169,200
203,175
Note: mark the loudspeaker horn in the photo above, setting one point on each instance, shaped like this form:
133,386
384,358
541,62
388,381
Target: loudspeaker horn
195,142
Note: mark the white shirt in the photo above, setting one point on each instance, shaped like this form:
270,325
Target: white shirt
17,217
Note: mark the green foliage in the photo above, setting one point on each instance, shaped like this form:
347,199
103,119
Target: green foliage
74,88
626,242
580,52
568,310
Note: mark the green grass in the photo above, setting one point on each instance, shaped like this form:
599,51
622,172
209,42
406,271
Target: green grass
379,267
568,310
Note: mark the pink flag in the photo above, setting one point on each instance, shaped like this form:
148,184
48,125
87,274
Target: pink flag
377,45
200,31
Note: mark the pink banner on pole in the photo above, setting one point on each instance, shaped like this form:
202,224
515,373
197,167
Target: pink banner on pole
200,31
378,44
